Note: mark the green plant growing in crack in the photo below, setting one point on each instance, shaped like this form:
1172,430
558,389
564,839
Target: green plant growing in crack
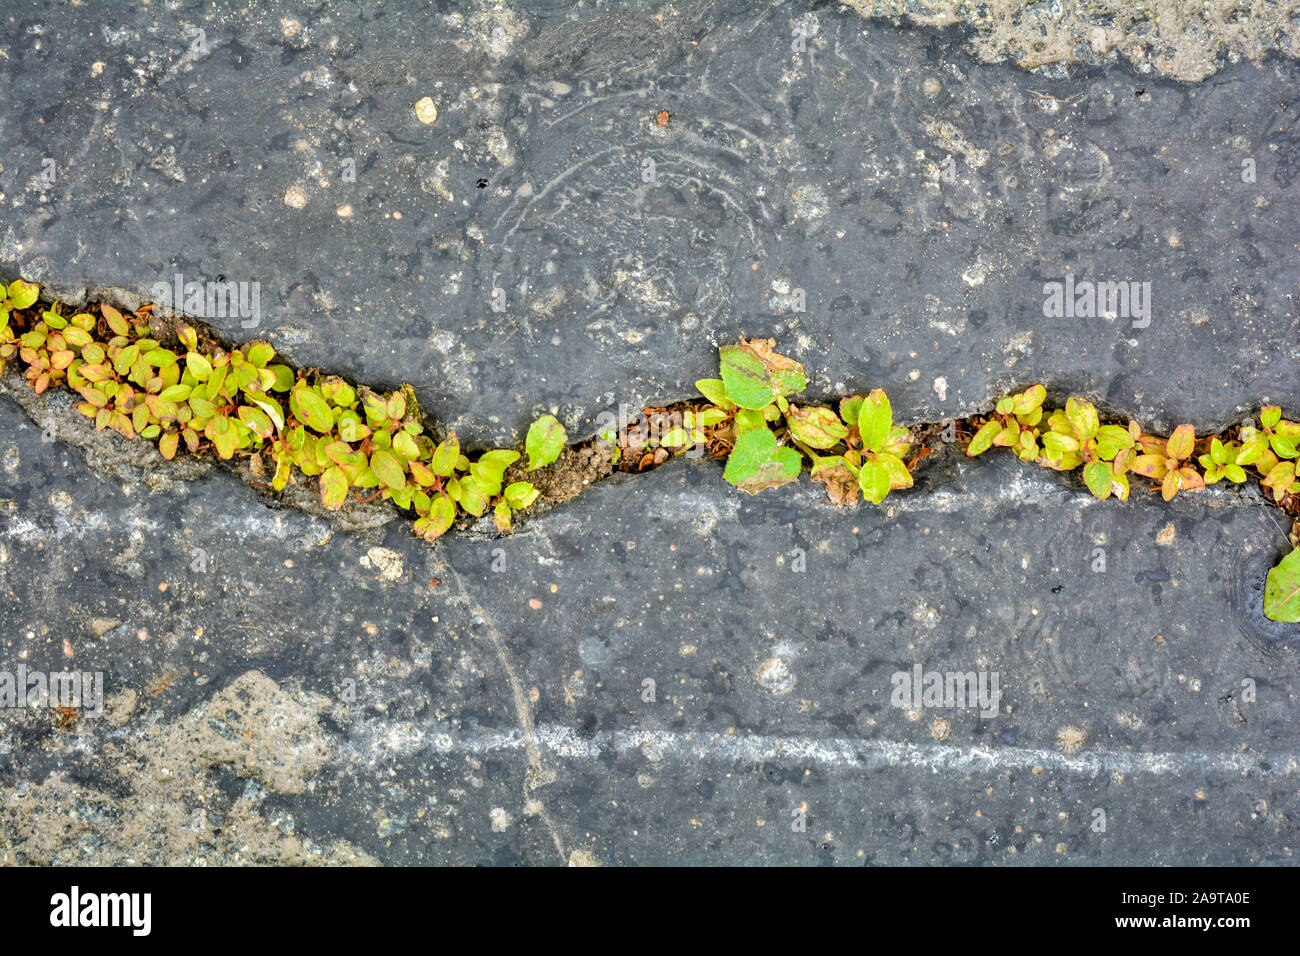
858,450
184,390
1170,465
240,404
1014,425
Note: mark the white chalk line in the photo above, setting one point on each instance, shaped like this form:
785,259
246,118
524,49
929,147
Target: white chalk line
835,753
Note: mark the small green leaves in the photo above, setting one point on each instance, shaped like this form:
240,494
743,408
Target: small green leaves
1223,461
520,494
1282,590
755,375
260,353
757,462
349,437
545,441
1027,403
22,295
469,495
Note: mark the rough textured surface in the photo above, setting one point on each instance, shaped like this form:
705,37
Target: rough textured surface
1185,41
501,715
285,688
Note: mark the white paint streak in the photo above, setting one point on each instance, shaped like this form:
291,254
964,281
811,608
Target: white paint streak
834,753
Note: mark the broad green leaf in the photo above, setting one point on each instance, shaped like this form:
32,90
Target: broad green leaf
333,487
755,375
1097,476
545,441
873,479
442,512
983,439
22,295
396,406
1279,478
115,320
260,353
716,392
160,357
255,419
1270,415
499,459
899,476
388,469
270,406
875,420
757,462
350,427
850,409
1282,590
198,366
1149,466
1028,400
310,409
1181,441
225,439
94,396
338,452
488,477
405,446
501,517
472,497
174,393
283,377
1083,417
444,457
1115,435
1283,447
1250,452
